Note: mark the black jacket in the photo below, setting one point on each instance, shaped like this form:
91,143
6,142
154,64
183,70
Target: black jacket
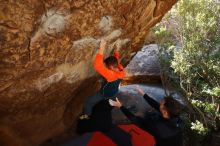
167,132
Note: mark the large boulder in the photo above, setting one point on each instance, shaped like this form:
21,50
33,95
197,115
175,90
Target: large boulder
144,66
47,49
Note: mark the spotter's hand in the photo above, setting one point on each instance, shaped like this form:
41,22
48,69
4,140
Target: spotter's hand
116,103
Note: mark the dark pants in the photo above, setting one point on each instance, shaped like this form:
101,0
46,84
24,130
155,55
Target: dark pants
91,101
101,120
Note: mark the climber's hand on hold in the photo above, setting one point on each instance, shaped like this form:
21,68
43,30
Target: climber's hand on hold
117,46
102,46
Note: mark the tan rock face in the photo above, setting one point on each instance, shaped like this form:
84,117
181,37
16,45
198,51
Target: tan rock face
46,54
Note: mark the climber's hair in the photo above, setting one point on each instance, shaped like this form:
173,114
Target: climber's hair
111,61
172,106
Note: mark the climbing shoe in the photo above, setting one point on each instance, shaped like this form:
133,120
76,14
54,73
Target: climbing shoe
83,116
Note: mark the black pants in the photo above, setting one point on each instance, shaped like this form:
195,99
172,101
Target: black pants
101,120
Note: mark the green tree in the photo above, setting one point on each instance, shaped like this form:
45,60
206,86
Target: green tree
190,36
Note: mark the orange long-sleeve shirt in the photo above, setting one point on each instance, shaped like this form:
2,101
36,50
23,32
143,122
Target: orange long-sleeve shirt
108,74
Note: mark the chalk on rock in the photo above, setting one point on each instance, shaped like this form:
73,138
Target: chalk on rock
106,24
53,22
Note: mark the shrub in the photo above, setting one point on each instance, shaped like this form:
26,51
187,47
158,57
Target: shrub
189,43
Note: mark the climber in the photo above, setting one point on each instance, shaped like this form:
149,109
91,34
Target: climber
112,71
165,125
